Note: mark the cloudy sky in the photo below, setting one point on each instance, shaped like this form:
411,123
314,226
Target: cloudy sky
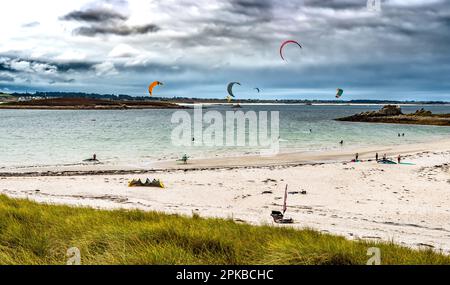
197,46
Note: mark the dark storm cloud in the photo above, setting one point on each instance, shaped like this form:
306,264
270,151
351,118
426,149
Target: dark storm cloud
119,30
238,20
94,16
102,21
13,68
5,67
260,9
74,66
7,64
336,4
444,20
6,78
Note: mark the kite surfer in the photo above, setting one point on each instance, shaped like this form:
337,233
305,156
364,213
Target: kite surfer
285,43
153,85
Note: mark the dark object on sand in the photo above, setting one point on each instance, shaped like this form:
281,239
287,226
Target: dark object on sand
90,160
267,192
386,161
278,218
303,192
147,183
93,159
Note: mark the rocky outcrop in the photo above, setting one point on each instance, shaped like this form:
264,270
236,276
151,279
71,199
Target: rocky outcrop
388,110
393,114
423,112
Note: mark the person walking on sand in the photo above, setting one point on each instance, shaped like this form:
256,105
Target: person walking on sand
399,158
356,157
376,156
94,157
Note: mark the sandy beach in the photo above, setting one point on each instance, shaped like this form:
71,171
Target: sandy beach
406,203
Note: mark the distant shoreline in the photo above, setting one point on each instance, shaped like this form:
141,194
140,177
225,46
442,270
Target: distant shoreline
86,108
186,100
87,104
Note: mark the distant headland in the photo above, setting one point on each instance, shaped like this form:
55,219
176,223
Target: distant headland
394,115
87,104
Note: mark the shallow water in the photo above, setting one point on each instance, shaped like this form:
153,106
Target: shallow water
139,137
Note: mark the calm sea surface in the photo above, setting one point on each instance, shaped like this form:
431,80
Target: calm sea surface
140,137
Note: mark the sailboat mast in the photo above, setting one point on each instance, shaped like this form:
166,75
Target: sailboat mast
285,198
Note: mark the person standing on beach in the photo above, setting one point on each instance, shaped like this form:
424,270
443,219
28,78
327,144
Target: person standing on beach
376,156
399,158
384,157
356,157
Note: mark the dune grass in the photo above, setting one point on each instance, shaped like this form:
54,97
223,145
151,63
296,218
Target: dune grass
32,233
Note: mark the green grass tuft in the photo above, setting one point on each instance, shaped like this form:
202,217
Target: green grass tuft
32,233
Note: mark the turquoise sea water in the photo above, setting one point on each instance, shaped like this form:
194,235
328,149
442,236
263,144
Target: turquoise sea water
140,137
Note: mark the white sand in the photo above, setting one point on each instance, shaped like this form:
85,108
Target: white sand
409,204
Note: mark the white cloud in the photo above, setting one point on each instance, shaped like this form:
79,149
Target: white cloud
123,50
71,55
19,65
105,68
